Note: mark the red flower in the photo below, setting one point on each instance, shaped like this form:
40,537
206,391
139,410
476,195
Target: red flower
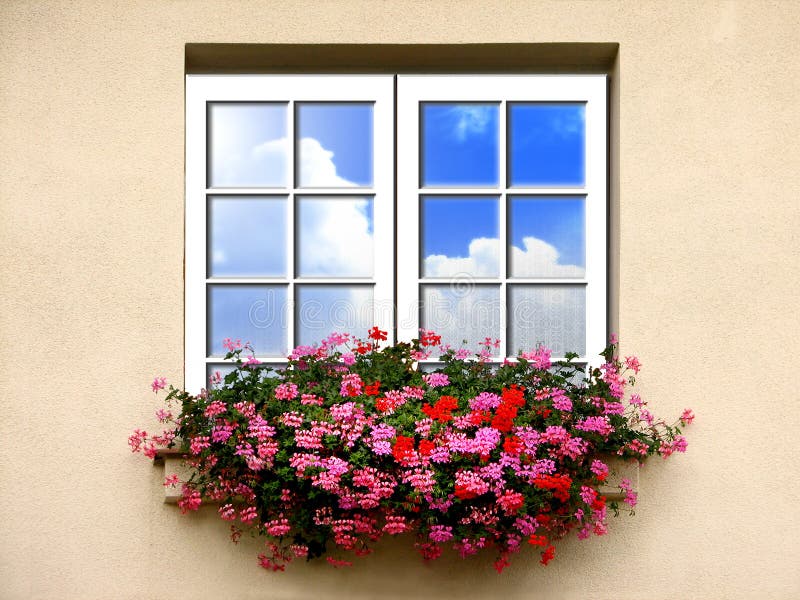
372,389
512,445
537,540
377,334
426,447
441,411
558,484
403,448
428,338
548,555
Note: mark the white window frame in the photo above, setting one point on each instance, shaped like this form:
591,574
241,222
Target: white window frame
290,89
391,111
503,89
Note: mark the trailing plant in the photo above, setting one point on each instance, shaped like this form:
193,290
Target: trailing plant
353,441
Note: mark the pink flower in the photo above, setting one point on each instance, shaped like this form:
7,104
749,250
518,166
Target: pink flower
227,512
395,525
441,533
600,469
540,358
190,499
633,363
286,391
231,345
687,416
159,383
171,480
436,379
351,385
349,358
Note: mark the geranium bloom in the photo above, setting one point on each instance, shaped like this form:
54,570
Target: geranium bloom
313,451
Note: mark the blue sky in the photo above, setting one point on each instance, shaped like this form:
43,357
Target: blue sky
459,144
247,144
252,313
247,236
450,223
557,221
343,129
546,144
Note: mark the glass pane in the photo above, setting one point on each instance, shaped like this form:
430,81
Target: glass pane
335,237
547,237
324,309
459,144
246,236
546,144
462,314
247,144
250,313
549,315
334,146
460,236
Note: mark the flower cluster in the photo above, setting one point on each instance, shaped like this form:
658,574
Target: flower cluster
351,442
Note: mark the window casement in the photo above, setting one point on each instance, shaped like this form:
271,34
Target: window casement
486,217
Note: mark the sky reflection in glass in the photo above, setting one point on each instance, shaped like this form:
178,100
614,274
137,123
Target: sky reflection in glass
549,315
324,309
458,313
547,237
251,313
246,236
546,144
247,144
334,144
460,235
335,237
459,144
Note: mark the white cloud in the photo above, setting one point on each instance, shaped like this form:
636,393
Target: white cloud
218,257
537,259
317,168
483,261
470,120
335,237
540,259
568,123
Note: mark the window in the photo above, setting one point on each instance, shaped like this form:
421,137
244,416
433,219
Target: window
484,218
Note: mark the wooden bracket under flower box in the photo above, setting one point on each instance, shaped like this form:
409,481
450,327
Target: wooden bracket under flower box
172,462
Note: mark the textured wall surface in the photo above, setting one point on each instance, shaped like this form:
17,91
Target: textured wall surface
91,239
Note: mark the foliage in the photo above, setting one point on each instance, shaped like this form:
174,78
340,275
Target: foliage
352,441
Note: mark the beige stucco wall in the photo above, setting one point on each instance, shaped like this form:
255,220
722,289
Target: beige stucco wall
91,248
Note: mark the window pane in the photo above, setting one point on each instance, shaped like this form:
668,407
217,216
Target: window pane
460,236
246,236
549,315
324,309
334,144
547,237
462,314
335,237
459,144
546,144
247,144
250,313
